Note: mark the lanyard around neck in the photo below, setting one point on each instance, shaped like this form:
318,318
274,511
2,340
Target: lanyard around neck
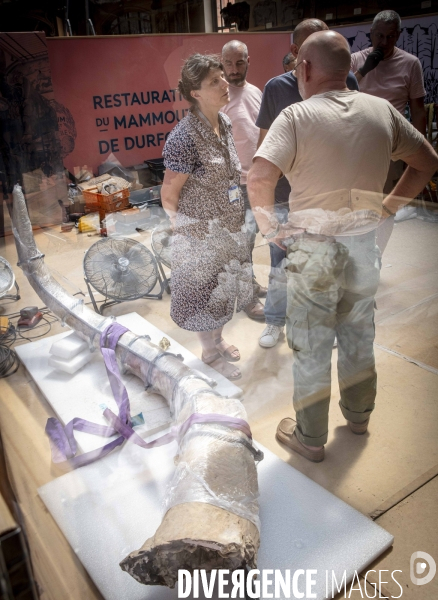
222,139
207,122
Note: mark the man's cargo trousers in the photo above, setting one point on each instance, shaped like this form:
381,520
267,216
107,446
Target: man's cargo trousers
331,284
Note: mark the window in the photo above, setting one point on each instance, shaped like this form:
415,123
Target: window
220,4
131,23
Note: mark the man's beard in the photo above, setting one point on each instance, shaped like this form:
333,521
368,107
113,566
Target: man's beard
238,79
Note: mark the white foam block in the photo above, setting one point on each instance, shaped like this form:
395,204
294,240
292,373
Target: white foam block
80,394
70,365
111,507
70,346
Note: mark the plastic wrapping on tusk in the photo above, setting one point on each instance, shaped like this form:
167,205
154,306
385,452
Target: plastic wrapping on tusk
211,518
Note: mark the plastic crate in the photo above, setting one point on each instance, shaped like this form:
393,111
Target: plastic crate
91,207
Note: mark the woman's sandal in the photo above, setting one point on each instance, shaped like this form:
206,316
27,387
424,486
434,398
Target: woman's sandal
230,353
223,367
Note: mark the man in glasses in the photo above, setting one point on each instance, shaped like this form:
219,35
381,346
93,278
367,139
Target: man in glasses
280,92
334,148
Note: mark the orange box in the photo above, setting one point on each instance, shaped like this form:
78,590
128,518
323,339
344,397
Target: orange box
91,207
110,202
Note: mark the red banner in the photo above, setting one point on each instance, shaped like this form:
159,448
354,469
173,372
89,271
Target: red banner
121,91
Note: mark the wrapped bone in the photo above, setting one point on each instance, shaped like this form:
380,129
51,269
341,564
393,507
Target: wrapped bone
211,518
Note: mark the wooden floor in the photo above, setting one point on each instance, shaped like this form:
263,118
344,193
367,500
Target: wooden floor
391,473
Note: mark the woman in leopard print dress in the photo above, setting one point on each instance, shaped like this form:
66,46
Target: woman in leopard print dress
211,269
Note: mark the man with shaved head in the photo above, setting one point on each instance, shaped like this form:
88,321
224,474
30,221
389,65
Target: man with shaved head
334,148
280,92
243,109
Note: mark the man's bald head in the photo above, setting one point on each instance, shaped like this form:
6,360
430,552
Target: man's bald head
328,52
235,45
306,28
323,64
235,61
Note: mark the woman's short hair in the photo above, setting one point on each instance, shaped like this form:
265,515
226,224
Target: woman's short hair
195,70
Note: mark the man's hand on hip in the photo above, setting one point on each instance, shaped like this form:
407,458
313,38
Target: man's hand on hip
285,235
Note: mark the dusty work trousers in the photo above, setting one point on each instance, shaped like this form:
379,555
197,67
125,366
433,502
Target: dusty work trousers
331,284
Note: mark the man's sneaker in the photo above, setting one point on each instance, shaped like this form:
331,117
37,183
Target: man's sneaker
405,213
270,335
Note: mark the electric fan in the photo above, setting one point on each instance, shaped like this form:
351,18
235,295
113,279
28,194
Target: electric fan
7,280
161,241
120,270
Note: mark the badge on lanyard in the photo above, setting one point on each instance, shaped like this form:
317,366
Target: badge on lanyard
233,193
233,190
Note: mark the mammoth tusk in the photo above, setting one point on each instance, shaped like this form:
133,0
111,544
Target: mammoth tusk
211,517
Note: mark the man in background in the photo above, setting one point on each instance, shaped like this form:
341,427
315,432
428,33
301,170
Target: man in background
243,109
280,92
289,62
388,72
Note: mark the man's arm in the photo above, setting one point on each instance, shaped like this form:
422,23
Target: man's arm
262,180
262,136
265,117
418,114
421,166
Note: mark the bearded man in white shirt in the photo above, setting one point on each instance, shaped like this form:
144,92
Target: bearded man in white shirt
243,110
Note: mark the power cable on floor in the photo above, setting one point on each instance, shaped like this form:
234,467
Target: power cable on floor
9,361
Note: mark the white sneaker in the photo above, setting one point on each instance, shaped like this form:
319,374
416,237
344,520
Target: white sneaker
405,213
270,336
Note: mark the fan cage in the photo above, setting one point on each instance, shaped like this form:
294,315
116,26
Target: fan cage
105,258
163,253
7,277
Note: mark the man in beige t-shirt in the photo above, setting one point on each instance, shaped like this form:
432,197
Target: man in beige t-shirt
334,148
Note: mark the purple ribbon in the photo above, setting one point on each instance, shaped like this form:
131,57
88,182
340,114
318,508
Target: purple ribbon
63,444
